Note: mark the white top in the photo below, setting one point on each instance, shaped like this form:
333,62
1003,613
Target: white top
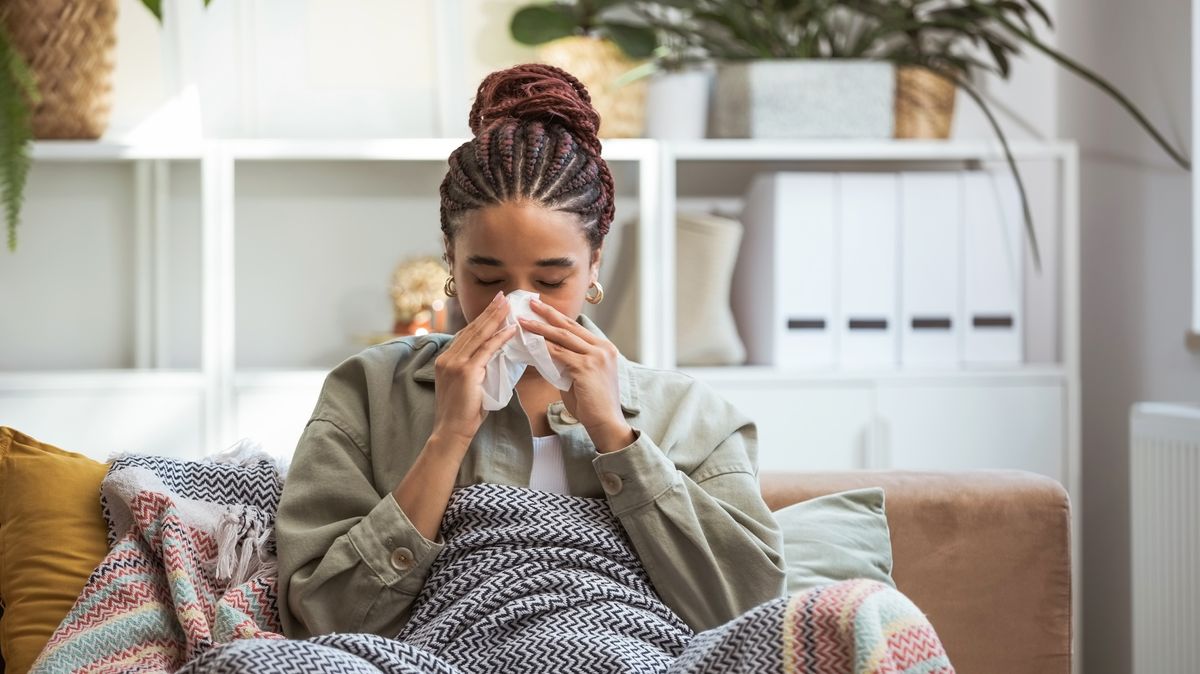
549,472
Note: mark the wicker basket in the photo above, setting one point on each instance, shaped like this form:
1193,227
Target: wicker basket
69,46
598,63
924,103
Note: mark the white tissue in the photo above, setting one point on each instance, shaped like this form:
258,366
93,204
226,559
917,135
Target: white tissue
505,368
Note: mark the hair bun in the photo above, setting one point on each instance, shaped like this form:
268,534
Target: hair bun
535,91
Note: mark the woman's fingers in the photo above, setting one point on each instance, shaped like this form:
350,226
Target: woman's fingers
493,344
479,330
556,318
570,359
560,336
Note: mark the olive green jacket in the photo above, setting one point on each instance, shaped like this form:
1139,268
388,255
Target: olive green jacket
686,492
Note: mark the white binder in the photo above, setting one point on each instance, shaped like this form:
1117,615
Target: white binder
993,234
930,268
783,291
868,208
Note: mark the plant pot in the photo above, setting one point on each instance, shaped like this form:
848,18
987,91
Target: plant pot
70,48
804,98
598,63
924,103
677,104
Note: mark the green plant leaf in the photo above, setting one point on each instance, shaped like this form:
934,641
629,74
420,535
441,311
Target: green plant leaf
599,6
18,93
1041,11
1103,85
1001,59
155,7
1012,165
538,24
636,73
1018,10
638,42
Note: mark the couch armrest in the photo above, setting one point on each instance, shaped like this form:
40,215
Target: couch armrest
985,554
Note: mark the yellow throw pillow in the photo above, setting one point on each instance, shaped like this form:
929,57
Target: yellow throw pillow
52,535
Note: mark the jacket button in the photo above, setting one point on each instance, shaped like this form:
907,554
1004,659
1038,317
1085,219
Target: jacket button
402,559
567,417
611,483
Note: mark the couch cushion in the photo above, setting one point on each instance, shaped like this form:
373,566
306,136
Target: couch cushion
836,537
985,554
52,535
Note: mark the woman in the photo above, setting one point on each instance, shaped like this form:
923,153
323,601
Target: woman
525,205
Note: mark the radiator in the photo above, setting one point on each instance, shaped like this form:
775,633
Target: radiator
1165,537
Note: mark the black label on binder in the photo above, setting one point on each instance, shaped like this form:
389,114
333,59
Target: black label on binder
868,324
1004,321
806,324
930,323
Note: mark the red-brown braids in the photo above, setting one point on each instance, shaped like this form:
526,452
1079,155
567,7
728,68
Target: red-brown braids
535,138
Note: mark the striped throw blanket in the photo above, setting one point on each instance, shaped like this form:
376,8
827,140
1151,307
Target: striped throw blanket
191,566
528,582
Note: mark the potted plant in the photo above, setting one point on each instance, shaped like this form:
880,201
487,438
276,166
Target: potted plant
932,41
678,82
937,47
597,41
776,57
55,82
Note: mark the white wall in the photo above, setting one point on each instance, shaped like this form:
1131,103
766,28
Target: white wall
1135,216
1136,241
364,68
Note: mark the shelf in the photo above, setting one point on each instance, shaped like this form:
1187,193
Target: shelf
735,149
395,149
763,374
273,378
104,150
308,377
101,380
615,149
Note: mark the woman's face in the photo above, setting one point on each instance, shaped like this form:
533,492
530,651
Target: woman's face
522,246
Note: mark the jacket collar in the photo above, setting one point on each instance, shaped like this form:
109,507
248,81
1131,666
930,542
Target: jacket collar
627,378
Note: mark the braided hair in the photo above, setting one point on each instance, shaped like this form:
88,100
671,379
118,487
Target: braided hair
535,139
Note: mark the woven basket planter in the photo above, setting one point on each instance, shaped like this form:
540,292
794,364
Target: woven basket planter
598,63
924,103
69,46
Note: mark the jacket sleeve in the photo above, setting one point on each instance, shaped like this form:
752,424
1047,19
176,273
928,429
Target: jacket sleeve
706,538
349,558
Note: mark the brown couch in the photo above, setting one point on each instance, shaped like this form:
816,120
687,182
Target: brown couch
985,554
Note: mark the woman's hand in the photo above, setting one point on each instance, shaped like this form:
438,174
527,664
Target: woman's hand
459,372
595,396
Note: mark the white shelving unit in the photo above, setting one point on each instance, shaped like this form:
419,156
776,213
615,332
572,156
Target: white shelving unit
654,179
256,369
865,432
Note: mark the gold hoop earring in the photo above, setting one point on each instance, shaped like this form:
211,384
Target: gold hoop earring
598,297
450,288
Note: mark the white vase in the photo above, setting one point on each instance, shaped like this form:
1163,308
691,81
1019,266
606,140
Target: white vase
677,104
804,98
705,331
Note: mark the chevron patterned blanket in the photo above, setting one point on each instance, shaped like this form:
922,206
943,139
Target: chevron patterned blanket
534,581
191,565
528,581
